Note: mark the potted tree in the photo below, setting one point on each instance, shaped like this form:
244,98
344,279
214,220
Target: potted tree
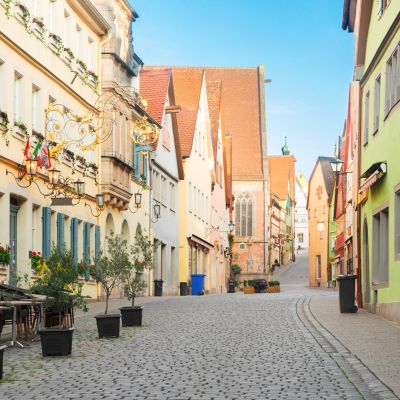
274,287
142,258
57,280
109,272
248,287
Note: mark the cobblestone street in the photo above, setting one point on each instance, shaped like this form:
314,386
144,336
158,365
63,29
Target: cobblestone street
265,346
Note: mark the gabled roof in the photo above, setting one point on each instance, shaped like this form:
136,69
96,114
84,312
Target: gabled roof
154,88
327,174
187,89
214,108
282,175
241,115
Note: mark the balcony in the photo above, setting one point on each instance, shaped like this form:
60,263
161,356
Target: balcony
117,172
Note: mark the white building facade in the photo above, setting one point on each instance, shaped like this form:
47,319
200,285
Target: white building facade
301,214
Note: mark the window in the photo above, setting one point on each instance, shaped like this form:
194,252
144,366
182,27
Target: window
3,87
380,251
377,94
67,29
92,54
172,196
79,50
18,97
244,215
35,108
198,203
163,190
52,16
300,237
397,225
195,201
366,118
190,197
382,4
392,93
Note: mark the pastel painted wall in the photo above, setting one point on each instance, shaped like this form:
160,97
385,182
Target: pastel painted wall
383,145
318,211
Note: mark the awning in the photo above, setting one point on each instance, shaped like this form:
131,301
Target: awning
200,242
372,175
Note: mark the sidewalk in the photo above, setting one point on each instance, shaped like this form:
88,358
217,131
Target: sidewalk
374,340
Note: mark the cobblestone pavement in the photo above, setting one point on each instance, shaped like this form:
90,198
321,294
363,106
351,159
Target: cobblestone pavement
263,346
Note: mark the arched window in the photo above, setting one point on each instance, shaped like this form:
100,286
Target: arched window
244,215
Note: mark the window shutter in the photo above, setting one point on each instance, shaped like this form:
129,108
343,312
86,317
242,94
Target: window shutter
380,7
46,232
97,245
387,87
74,241
60,231
86,248
145,164
136,161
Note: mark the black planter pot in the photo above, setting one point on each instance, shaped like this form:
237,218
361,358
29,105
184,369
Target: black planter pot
108,325
131,316
56,341
2,348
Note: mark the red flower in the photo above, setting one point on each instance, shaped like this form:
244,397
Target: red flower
38,253
34,253
1,248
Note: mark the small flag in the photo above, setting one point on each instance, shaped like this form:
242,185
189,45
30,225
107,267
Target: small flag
37,148
27,149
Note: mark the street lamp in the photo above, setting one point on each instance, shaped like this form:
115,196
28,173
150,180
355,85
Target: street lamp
54,176
231,226
337,165
31,167
79,188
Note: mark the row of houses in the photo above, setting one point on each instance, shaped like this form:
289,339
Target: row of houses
93,142
353,204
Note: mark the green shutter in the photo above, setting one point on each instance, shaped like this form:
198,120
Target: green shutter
74,241
60,231
145,167
97,245
86,248
46,232
136,161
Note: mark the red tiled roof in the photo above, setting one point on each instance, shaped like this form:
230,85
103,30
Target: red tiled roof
187,88
214,108
282,175
154,88
240,101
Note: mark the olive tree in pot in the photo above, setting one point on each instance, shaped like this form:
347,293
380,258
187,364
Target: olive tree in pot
57,280
109,271
142,259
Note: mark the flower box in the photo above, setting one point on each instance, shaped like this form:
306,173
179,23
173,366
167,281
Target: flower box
249,290
274,289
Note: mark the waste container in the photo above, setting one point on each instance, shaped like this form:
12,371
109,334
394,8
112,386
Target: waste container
197,284
347,293
158,287
183,288
260,285
231,286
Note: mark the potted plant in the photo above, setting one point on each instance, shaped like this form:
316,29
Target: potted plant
274,287
109,271
142,258
57,280
249,288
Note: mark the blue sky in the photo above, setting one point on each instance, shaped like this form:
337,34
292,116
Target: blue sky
301,44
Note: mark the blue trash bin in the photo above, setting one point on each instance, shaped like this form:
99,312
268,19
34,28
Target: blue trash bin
197,284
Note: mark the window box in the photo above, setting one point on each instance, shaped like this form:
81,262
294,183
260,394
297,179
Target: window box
38,26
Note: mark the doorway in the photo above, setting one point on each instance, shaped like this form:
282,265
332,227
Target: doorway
365,243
